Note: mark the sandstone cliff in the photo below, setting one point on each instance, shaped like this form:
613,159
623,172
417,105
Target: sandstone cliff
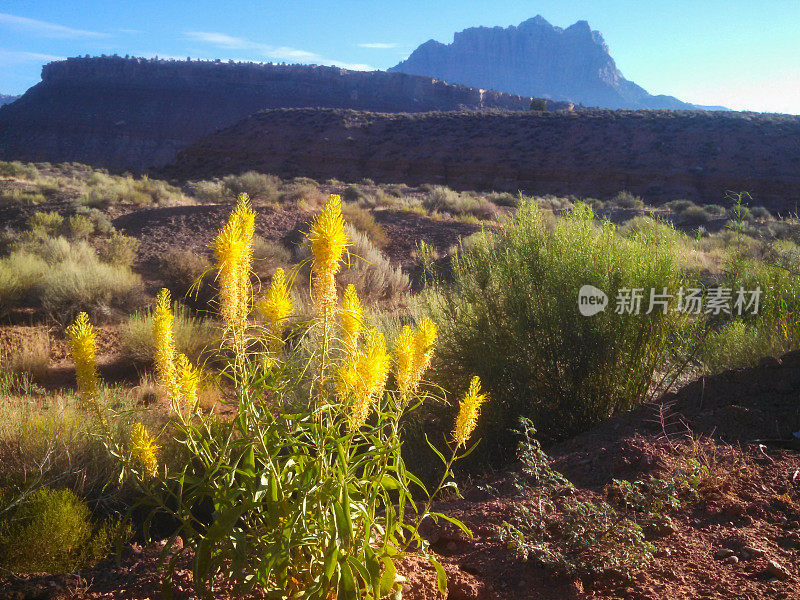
661,155
535,59
134,113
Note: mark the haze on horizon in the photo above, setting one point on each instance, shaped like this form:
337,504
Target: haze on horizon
736,54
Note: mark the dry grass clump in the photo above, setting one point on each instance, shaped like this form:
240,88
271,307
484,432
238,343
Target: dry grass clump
364,220
58,277
372,274
442,199
195,337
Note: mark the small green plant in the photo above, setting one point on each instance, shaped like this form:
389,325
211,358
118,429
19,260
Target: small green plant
80,227
566,535
51,531
45,223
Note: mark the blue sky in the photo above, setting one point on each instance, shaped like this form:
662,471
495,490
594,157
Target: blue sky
741,54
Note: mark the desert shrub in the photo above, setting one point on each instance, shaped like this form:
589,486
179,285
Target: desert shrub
363,220
304,195
52,531
31,355
80,227
258,186
103,290
18,169
443,199
627,200
372,274
209,191
11,288
518,289
354,193
503,199
183,274
759,212
45,223
102,224
715,210
269,255
17,196
693,216
739,213
569,536
119,250
194,337
679,206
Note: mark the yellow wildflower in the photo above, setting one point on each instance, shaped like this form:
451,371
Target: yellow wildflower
328,243
276,308
144,449
234,251
188,377
414,353
163,337
352,316
468,412
363,378
424,342
84,348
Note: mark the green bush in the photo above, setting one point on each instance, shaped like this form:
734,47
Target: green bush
120,250
80,227
52,532
693,216
627,200
45,223
511,316
258,186
443,199
102,290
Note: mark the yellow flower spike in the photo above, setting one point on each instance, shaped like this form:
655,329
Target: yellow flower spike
424,342
468,413
276,309
188,378
328,243
234,251
83,347
414,352
363,378
163,337
144,449
352,316
404,351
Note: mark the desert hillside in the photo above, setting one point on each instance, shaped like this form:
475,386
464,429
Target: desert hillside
660,155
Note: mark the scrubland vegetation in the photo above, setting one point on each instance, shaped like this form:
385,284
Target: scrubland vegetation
304,388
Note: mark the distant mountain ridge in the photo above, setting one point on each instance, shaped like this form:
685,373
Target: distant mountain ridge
538,59
133,113
6,99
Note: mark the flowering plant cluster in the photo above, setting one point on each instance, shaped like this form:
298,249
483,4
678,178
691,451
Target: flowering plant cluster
309,494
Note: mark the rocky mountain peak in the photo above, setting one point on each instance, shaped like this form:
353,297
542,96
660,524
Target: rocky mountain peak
535,58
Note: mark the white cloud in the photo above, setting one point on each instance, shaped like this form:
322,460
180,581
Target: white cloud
379,45
274,53
45,29
11,57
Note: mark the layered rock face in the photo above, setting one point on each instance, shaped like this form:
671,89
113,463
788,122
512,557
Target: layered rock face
135,113
661,155
535,59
